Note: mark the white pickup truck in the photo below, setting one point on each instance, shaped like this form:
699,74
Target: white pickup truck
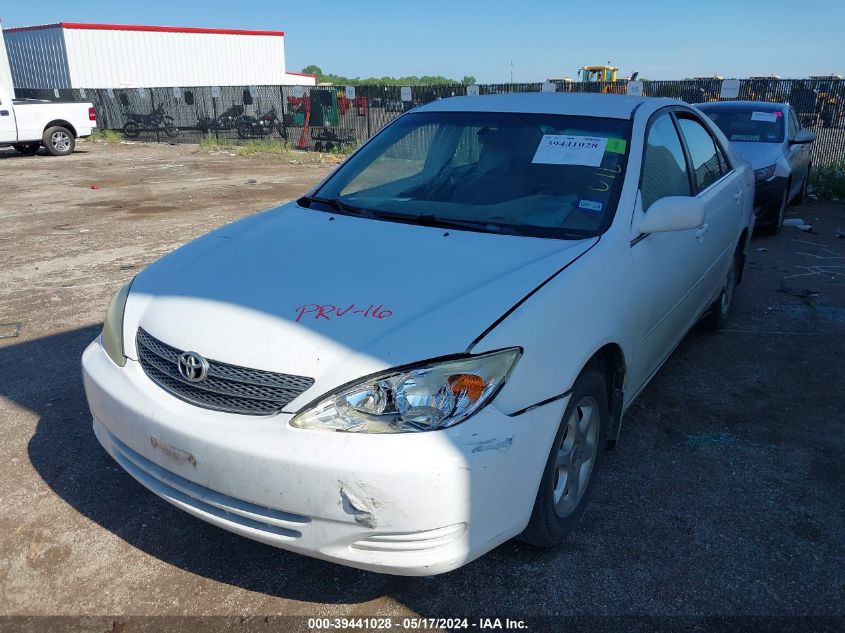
27,124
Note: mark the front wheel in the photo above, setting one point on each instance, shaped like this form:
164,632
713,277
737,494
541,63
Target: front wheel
572,463
27,149
777,214
802,194
59,140
170,129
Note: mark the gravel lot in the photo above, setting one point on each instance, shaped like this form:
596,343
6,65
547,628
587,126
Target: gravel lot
724,497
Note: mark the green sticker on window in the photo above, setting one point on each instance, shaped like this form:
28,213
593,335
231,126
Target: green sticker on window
616,145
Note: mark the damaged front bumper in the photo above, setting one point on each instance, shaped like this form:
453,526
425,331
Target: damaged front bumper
410,504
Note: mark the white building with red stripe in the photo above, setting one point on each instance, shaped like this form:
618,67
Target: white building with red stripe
77,55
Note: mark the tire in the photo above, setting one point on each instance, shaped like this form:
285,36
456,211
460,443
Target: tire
720,309
27,149
557,508
131,130
170,129
802,194
245,130
774,218
58,140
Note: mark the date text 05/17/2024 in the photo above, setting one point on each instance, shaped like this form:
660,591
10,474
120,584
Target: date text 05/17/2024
416,624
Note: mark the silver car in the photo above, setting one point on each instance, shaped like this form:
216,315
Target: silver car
770,137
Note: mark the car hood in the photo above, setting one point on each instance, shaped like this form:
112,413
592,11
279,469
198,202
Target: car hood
335,297
758,155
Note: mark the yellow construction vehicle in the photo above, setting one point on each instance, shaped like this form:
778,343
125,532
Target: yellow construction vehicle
606,76
601,73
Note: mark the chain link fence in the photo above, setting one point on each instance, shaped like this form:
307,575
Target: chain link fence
337,118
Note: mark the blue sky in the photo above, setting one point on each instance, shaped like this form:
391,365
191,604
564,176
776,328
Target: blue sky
543,38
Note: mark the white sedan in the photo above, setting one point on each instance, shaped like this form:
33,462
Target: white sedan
428,354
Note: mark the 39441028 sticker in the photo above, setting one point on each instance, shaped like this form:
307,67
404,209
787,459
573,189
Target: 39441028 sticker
565,149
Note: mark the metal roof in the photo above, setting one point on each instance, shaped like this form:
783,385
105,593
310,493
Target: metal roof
138,27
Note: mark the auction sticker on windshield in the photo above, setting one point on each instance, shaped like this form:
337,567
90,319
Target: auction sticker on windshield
769,117
562,149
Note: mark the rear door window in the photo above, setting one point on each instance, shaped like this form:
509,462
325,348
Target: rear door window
706,165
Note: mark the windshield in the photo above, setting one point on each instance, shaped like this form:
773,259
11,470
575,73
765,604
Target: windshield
528,174
748,125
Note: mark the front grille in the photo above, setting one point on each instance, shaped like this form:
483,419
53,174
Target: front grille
226,388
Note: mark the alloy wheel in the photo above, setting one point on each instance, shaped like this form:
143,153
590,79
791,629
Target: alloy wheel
60,141
576,455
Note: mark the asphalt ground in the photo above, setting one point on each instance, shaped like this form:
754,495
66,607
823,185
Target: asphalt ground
724,497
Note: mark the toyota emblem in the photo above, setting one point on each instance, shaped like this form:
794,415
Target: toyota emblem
193,367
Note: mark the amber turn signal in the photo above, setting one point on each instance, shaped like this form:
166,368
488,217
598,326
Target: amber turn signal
470,385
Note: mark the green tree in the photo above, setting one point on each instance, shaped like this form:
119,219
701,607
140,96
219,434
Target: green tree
410,80
468,80
313,70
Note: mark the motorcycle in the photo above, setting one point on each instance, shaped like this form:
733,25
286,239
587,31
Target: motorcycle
227,120
250,126
155,120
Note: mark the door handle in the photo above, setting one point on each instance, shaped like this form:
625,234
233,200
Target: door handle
699,234
4,113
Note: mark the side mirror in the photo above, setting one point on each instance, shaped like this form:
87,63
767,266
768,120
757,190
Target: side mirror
802,137
673,213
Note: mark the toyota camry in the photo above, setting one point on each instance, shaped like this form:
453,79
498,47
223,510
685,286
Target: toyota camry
428,353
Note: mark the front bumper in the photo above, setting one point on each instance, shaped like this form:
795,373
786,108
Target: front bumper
410,504
768,194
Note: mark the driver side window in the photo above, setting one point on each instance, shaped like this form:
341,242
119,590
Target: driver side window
664,165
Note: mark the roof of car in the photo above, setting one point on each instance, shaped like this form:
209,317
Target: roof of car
585,104
764,106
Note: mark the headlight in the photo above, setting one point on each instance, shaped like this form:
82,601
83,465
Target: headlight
113,326
424,397
764,174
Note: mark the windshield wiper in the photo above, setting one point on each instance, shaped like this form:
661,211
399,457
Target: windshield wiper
429,219
338,205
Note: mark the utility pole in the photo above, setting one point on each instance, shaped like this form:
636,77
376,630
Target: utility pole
511,71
